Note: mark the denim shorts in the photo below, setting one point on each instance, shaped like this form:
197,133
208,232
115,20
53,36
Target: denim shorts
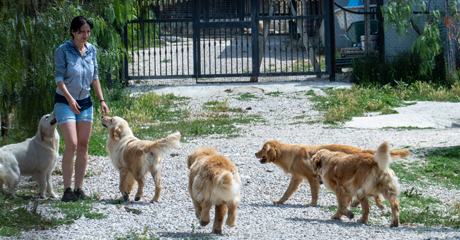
64,114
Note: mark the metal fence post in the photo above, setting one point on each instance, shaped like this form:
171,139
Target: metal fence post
381,32
196,39
330,38
255,40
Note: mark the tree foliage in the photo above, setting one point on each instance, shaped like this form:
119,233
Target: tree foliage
400,13
30,33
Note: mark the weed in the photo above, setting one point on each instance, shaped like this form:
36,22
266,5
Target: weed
306,122
412,193
132,234
310,93
217,106
274,94
246,97
228,90
166,61
300,117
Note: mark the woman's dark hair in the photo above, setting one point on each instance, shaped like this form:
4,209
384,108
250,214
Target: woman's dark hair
77,22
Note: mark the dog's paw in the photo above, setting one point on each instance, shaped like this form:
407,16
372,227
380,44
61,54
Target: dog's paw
278,202
137,199
203,223
155,200
394,223
312,204
125,197
362,220
336,216
350,215
230,223
381,206
41,196
217,231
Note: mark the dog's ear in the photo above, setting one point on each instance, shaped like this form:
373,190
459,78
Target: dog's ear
272,152
42,133
316,162
115,133
190,161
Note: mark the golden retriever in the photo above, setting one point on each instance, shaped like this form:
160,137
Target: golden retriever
295,160
133,158
360,175
213,181
34,157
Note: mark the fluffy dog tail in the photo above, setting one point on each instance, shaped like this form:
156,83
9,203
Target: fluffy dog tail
226,187
383,157
172,140
395,154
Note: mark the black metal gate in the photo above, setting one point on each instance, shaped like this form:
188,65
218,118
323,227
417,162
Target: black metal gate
217,40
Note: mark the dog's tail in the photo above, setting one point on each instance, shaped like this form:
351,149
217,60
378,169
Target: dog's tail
395,154
172,140
383,157
226,187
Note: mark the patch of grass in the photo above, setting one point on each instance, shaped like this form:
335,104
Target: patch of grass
407,128
310,93
442,167
217,106
90,173
274,94
353,210
246,97
414,208
21,214
166,61
228,90
211,124
300,116
306,122
17,215
295,97
404,174
342,104
132,234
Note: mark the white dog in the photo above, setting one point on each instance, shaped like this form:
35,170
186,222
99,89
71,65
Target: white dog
35,157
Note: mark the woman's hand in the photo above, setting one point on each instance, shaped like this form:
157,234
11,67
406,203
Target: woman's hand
74,106
104,108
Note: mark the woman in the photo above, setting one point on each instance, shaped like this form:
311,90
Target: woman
76,72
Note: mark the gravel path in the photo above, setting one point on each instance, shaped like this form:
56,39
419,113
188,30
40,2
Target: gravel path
257,217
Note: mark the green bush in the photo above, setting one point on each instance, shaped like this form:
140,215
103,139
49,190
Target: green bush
405,67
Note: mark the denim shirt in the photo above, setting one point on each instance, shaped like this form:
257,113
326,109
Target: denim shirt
77,72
